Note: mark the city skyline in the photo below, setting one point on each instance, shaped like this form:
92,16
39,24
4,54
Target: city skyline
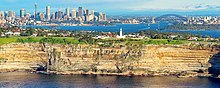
120,7
68,16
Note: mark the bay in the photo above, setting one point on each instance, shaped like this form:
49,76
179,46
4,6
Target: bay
131,28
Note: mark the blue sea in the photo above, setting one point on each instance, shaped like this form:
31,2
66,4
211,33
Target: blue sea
31,80
130,28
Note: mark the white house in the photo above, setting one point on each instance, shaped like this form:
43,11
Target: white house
9,33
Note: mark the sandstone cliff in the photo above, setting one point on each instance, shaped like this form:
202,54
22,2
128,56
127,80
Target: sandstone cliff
21,57
93,59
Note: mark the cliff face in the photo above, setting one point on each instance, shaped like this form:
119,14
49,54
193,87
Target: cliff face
153,60
215,62
124,59
21,57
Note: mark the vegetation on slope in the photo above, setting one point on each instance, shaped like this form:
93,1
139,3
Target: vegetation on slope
69,40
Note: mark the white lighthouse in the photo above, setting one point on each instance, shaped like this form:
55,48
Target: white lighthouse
121,34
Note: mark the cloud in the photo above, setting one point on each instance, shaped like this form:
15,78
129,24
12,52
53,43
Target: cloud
202,7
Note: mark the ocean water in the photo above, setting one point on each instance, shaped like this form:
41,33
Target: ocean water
130,28
29,80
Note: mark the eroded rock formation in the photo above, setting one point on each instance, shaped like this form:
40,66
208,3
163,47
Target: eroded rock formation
93,59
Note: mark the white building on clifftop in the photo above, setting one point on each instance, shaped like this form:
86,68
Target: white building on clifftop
121,34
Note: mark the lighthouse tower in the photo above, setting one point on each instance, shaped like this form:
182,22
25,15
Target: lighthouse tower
121,34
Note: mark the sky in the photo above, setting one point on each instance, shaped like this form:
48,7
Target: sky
120,7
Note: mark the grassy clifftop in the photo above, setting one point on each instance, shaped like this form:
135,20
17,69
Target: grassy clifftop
71,40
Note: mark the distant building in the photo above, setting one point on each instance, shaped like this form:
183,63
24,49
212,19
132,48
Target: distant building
48,12
42,16
59,15
73,13
35,7
87,12
153,20
10,14
104,17
80,12
53,16
9,33
67,12
93,12
121,34
22,13
100,17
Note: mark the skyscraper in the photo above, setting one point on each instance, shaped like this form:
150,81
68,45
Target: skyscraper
28,15
48,12
96,14
10,14
35,5
53,17
59,15
73,13
67,12
104,17
87,12
100,16
93,12
41,16
80,12
22,13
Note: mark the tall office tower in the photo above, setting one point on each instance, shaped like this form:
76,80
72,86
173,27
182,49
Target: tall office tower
5,14
91,17
41,16
80,12
56,15
93,12
28,15
35,7
59,15
84,12
14,14
100,17
53,16
10,14
73,13
86,15
104,17
48,12
96,16
22,13
87,12
67,12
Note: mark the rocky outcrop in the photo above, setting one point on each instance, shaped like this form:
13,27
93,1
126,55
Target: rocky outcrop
14,57
139,60
215,65
132,59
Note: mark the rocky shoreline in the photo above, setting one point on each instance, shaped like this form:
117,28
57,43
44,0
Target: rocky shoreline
128,74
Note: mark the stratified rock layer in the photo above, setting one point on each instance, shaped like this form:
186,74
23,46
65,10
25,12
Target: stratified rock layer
91,59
